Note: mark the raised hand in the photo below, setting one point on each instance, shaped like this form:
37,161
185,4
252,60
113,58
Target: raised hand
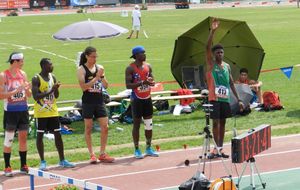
215,24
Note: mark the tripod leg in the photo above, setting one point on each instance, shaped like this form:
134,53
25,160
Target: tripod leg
259,177
252,175
240,177
203,156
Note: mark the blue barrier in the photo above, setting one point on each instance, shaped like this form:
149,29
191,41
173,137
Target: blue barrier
67,180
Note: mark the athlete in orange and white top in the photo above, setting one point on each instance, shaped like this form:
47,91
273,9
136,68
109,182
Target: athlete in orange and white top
14,90
139,78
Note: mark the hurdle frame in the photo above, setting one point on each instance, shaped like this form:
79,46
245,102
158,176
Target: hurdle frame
64,179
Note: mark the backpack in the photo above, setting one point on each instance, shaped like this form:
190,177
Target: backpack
161,105
186,101
223,183
271,101
126,116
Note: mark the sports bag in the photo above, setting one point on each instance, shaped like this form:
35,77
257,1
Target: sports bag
186,101
271,101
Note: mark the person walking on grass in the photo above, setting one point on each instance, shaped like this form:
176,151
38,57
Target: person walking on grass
14,90
45,93
219,82
136,21
92,81
139,78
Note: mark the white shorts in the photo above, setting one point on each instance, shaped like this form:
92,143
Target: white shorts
137,27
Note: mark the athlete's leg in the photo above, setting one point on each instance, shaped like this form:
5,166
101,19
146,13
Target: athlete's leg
88,123
216,131
59,144
148,130
103,122
8,140
222,132
22,137
40,144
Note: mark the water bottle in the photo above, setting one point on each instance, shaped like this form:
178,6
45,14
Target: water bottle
119,129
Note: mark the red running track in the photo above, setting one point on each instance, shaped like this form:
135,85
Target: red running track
167,170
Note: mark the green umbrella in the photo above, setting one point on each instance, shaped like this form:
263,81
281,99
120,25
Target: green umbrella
241,48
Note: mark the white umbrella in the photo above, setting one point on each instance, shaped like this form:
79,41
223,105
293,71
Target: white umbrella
89,29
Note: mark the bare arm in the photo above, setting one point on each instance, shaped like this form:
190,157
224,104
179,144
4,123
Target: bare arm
37,95
214,26
102,76
150,80
27,85
80,76
55,87
128,79
256,84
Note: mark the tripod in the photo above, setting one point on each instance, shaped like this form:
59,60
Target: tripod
252,167
206,144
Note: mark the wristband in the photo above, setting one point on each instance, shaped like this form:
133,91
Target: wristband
102,77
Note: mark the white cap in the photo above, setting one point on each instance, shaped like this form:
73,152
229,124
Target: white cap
137,7
15,56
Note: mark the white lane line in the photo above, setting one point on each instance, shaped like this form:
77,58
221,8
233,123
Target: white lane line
176,167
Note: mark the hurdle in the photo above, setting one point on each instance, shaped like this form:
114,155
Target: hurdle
66,180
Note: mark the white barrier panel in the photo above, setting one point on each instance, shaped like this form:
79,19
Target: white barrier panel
67,180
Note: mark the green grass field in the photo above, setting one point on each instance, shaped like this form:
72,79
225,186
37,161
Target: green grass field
275,28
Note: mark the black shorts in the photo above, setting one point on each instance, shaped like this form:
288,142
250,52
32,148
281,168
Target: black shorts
16,120
90,111
221,110
47,124
141,107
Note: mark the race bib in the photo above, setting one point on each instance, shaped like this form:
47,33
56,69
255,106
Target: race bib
18,97
222,92
49,99
96,88
143,88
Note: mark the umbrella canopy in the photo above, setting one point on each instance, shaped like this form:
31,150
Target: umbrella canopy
241,48
89,29
245,95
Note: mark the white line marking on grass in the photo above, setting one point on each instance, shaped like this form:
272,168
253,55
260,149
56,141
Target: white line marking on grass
7,33
40,50
64,57
110,61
